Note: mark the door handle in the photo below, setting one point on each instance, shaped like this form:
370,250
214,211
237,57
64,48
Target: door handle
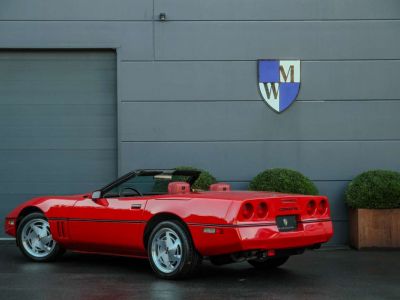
136,206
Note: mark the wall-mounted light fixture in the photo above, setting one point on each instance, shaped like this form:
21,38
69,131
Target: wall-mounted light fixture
162,17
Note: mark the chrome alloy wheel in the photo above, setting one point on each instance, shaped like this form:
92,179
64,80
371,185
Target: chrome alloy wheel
37,239
166,250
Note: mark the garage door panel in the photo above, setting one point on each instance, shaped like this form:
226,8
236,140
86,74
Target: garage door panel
62,165
58,86
25,132
69,96
57,143
66,110
76,117
57,123
63,121
35,71
16,65
50,188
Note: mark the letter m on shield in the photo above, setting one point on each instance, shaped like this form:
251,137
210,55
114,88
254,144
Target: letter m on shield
279,82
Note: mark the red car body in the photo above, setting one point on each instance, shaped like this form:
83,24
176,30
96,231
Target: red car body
219,222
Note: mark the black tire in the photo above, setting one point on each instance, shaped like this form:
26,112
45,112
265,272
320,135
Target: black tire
56,251
269,263
190,258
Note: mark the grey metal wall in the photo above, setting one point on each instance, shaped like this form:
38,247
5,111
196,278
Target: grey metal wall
187,88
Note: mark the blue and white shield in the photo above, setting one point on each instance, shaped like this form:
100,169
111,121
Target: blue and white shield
279,82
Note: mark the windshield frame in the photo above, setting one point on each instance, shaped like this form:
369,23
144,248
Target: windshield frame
192,174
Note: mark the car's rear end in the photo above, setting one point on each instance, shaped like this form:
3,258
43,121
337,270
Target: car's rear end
270,224
284,222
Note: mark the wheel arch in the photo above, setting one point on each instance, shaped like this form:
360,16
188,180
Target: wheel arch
158,218
23,213
27,211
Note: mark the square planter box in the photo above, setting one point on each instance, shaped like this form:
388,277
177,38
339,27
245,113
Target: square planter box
374,228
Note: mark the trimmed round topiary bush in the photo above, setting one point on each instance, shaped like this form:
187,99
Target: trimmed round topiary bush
374,189
204,181
284,181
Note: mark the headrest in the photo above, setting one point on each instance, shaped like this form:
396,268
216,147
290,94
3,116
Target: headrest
220,187
178,187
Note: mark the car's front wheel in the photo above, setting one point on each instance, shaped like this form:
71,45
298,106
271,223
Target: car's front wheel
171,251
269,263
35,240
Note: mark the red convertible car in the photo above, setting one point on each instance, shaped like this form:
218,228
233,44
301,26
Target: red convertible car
155,214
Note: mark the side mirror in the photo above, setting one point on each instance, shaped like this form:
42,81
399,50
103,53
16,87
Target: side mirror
96,195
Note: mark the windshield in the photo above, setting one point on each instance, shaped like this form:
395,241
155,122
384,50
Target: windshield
149,183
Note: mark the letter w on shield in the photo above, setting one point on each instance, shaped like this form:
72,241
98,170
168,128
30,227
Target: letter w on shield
272,89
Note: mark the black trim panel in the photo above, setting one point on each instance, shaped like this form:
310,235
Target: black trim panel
316,220
233,225
96,220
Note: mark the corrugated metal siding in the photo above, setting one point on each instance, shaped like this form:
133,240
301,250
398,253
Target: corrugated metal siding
57,123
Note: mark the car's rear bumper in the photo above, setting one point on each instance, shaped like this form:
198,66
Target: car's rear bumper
230,239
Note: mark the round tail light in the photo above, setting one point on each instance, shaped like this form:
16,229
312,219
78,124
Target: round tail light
262,210
311,206
247,211
322,207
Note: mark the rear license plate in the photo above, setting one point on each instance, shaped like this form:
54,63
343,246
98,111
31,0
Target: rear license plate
286,223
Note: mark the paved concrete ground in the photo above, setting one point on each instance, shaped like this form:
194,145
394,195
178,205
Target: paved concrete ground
322,274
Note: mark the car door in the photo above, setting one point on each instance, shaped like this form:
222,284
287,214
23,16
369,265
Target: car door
108,224
114,223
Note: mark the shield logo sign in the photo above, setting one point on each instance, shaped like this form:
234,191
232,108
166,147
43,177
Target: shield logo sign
279,82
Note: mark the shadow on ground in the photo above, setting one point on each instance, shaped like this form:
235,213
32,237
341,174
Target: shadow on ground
340,274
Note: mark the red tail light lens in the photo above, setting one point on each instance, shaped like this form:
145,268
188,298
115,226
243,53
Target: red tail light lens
322,207
247,211
262,210
311,206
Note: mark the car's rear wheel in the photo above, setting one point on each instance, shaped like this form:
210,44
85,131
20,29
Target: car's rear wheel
269,263
171,251
35,240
